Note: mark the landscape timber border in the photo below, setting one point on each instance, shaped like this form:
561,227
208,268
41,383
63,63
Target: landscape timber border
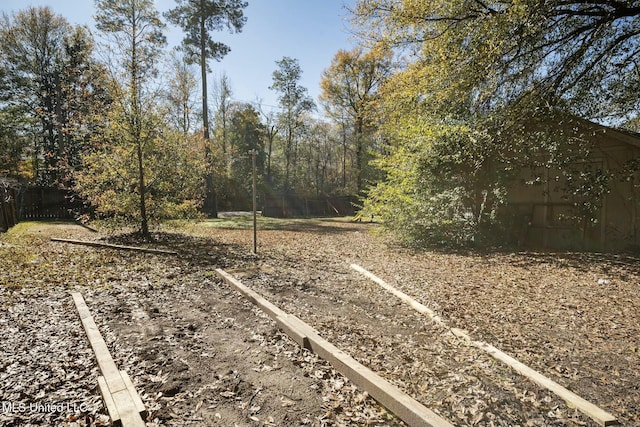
401,404
112,246
120,397
594,412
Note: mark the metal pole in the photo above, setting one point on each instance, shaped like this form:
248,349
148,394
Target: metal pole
255,222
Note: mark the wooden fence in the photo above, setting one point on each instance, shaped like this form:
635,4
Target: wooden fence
8,211
41,203
35,204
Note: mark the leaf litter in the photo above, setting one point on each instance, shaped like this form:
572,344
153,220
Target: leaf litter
199,354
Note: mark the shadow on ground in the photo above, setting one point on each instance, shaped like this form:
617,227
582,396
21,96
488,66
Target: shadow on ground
200,251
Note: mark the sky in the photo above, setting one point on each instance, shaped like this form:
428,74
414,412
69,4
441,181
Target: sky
311,31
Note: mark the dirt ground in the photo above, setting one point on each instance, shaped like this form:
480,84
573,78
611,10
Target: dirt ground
201,355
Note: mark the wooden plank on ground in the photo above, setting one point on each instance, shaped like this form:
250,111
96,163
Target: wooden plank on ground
398,402
120,397
599,415
129,415
266,306
401,404
134,394
101,351
112,410
594,412
421,308
112,246
290,328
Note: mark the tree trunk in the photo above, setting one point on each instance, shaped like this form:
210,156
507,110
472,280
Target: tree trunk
136,123
271,136
344,155
144,226
287,156
210,205
359,152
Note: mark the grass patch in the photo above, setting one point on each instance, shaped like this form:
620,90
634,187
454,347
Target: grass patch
19,230
29,231
242,222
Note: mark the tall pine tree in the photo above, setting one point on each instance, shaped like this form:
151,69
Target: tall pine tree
198,19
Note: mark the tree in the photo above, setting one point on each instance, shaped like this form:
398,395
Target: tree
444,183
580,54
246,133
12,144
135,29
271,131
349,86
180,94
480,83
320,175
198,18
294,102
51,89
110,177
32,43
81,95
222,94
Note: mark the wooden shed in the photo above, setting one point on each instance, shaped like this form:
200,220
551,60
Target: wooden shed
549,213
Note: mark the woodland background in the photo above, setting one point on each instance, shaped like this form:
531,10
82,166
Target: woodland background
427,120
